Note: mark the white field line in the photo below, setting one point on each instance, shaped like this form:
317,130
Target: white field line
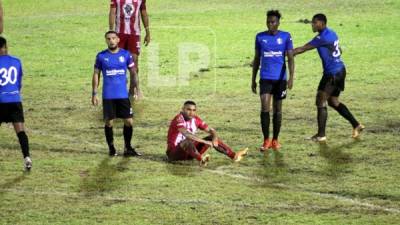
220,171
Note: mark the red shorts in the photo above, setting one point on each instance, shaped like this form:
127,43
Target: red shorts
178,153
130,42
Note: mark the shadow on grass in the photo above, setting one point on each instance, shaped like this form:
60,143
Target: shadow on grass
104,178
11,183
274,168
338,161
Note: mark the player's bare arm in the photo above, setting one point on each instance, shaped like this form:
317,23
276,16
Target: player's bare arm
111,18
214,135
145,19
134,89
256,66
193,137
95,85
302,49
290,57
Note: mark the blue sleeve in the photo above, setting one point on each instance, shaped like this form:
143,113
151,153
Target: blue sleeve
97,64
129,60
289,43
317,41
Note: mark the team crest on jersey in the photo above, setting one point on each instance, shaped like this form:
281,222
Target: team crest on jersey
121,59
128,10
279,41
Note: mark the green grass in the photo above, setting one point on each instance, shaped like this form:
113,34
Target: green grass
74,182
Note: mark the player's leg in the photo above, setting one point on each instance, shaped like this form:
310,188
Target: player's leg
190,148
109,115
24,143
128,133
16,113
322,116
277,121
265,119
342,109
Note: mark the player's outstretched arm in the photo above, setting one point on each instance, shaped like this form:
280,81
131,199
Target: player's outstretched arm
300,50
145,19
111,18
290,57
256,66
193,137
95,85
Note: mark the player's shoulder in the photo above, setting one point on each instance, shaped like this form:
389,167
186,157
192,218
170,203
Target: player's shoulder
284,33
102,53
261,34
11,59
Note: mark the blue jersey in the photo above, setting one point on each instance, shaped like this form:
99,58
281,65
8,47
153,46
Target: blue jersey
327,44
272,49
10,79
114,66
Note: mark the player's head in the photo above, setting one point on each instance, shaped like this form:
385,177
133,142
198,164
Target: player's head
273,18
189,109
3,46
318,22
112,39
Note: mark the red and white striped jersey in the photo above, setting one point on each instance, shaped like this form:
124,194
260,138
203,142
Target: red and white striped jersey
127,20
175,137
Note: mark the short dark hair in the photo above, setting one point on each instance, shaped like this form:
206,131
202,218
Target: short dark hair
274,13
320,17
3,42
189,102
110,32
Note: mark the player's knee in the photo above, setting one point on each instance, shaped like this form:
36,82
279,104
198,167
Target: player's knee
109,123
128,122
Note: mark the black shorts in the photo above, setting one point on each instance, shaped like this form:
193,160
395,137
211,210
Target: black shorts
117,108
11,112
333,84
277,88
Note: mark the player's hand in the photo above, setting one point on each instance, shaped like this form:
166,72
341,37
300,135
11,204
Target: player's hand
290,84
215,143
146,39
254,87
95,100
137,94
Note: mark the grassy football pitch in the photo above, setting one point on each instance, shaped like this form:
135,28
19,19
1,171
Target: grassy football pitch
73,181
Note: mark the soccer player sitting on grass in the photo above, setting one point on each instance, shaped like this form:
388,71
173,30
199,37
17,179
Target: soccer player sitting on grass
183,144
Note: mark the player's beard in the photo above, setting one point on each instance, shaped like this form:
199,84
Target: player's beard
112,48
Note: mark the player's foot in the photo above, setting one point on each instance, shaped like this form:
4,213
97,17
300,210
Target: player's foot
204,160
131,152
112,151
28,163
266,145
316,138
275,145
240,154
357,131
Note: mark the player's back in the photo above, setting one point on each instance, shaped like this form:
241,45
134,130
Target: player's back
10,79
330,52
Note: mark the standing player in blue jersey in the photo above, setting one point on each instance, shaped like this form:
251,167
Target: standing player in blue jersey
10,98
333,79
113,63
271,47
